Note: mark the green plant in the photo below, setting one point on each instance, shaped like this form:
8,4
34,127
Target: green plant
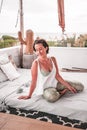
8,41
85,43
51,43
70,39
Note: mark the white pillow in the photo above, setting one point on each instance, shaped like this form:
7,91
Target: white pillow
4,59
12,61
3,77
10,71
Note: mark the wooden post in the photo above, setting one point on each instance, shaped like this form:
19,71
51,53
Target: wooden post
22,31
61,15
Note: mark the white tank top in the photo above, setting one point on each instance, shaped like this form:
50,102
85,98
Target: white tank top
45,81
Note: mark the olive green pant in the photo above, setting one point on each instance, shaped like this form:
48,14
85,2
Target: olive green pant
52,94
77,85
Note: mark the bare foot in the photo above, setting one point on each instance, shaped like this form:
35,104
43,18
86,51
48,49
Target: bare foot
63,92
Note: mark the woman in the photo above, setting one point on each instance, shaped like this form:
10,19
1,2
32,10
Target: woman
45,72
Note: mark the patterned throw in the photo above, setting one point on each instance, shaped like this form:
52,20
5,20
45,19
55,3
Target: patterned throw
47,117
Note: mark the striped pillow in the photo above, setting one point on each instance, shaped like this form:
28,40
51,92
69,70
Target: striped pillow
4,59
3,77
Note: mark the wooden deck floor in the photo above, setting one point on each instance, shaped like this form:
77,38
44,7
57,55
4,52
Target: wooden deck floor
13,122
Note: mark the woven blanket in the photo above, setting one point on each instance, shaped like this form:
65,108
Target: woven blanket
47,117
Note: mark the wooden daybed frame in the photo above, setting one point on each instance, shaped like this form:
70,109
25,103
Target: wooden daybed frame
13,122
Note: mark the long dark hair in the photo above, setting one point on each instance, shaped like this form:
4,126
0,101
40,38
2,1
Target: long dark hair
43,42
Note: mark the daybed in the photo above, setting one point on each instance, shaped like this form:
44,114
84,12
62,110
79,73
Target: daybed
73,106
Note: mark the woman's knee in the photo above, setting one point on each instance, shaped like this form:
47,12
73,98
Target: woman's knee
51,94
77,85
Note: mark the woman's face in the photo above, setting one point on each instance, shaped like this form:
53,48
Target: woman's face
40,50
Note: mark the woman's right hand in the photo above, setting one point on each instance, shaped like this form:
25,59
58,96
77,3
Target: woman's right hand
24,97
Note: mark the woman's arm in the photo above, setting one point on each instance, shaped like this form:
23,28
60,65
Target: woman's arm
33,82
61,80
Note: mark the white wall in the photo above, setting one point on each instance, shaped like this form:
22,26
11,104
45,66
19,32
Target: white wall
66,56
70,56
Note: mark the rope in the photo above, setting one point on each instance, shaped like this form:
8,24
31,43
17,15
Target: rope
17,19
1,5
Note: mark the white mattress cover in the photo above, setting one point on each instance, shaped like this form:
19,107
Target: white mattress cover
73,106
8,87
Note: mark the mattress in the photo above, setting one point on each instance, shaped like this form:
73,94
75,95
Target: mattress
9,87
73,106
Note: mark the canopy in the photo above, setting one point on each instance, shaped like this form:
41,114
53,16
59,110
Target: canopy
61,15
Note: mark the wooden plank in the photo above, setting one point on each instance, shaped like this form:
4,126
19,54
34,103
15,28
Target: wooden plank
74,69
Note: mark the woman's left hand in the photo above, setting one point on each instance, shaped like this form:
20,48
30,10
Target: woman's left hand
72,89
24,97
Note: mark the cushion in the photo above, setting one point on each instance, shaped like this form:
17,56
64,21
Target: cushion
12,61
77,85
10,71
51,94
3,77
4,59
